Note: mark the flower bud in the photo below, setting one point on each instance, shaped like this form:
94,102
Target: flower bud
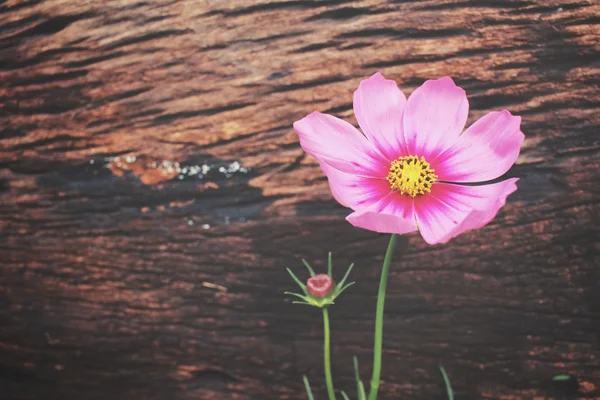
320,286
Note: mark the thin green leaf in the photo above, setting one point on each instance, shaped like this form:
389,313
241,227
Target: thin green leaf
345,396
329,266
341,284
561,378
308,267
301,302
360,388
356,374
344,288
361,391
307,387
294,277
447,383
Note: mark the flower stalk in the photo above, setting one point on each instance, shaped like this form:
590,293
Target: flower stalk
378,347
327,355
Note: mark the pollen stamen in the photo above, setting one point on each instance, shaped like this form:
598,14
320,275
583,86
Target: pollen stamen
411,175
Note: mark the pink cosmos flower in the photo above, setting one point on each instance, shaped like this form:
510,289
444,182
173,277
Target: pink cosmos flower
408,171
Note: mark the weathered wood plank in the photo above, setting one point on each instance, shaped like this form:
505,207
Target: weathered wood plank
147,151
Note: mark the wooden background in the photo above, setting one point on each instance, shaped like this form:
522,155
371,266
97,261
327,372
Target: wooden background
148,163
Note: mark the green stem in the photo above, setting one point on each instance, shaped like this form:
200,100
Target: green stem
327,357
375,379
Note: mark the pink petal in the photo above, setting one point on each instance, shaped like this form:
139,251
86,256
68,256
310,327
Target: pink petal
434,116
340,145
484,152
378,105
392,214
354,191
450,210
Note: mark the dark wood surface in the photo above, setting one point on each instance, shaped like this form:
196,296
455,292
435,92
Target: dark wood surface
152,192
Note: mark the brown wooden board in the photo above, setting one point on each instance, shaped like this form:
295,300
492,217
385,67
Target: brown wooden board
148,163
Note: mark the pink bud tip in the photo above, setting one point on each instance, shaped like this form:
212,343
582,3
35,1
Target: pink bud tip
320,285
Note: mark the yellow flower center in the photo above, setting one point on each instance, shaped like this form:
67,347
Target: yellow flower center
411,175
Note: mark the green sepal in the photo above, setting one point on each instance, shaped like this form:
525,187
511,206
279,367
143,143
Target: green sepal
308,267
345,287
305,298
346,275
295,278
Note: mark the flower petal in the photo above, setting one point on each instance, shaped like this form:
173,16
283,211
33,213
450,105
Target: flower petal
486,150
392,214
340,145
434,116
354,191
479,218
378,105
450,210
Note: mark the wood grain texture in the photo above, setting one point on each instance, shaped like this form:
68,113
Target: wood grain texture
147,155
